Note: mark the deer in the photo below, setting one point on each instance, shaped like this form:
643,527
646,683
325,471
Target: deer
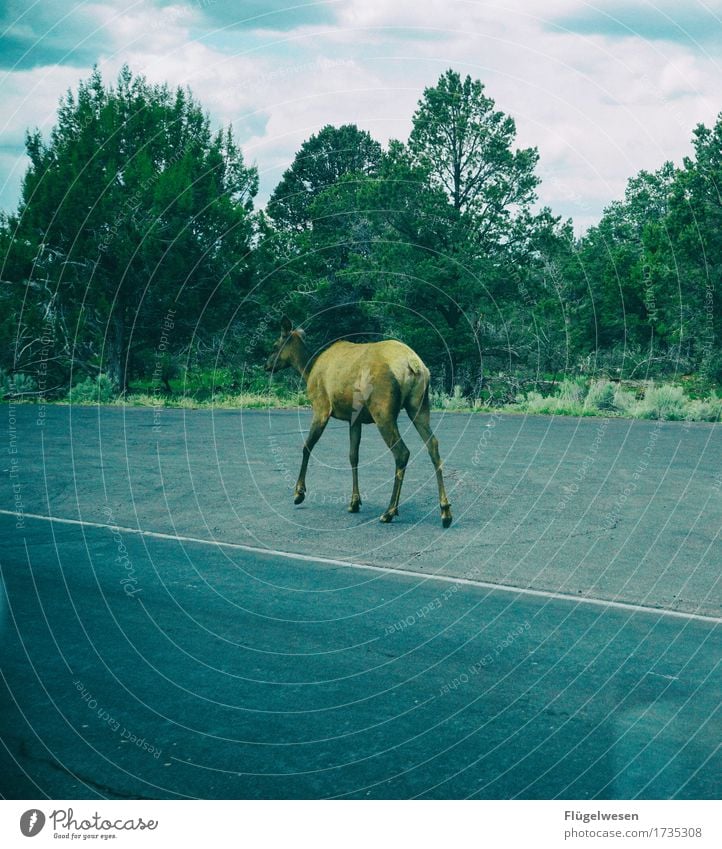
362,383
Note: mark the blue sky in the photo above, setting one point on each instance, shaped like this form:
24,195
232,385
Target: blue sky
602,89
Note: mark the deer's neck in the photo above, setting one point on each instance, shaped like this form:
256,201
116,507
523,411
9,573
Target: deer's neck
303,361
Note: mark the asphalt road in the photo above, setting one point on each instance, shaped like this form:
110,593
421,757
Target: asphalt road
185,663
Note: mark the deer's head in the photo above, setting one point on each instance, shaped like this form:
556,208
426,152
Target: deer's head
288,349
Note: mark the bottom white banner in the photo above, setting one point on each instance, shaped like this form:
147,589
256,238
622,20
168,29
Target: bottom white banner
419,824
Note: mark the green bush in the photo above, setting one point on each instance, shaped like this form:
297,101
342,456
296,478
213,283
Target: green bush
203,383
535,402
664,402
625,402
256,380
99,390
712,367
705,411
601,396
571,392
211,384
456,401
17,385
551,405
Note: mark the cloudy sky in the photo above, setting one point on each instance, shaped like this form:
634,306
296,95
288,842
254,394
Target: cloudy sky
602,89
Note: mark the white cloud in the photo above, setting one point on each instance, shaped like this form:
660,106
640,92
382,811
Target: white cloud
598,107
30,98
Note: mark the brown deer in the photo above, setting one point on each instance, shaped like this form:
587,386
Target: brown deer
360,384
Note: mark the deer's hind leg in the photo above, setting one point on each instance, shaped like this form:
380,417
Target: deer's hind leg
318,424
421,417
390,433
355,436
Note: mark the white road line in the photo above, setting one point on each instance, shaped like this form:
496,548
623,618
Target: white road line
369,567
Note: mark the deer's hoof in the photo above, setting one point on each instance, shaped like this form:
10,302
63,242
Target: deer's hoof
445,517
388,516
354,506
299,497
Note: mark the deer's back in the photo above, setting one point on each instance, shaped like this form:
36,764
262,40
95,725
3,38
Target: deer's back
350,376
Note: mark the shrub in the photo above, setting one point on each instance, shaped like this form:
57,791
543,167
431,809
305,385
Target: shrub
571,392
441,401
256,380
99,390
16,385
712,367
704,411
551,405
600,396
535,402
456,401
665,402
625,402
203,383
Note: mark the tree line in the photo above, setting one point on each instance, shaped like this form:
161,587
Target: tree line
136,250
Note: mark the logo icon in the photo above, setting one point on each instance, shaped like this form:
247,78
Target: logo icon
32,822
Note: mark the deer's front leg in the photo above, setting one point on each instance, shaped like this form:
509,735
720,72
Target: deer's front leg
355,434
318,423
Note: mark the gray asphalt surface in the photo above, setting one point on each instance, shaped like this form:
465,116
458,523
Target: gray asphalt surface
141,666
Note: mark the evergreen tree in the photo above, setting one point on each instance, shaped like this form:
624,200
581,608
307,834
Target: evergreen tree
465,144
322,160
132,210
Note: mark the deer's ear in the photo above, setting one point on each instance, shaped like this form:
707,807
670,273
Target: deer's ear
286,325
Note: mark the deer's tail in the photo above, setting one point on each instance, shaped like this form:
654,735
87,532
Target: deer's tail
415,365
